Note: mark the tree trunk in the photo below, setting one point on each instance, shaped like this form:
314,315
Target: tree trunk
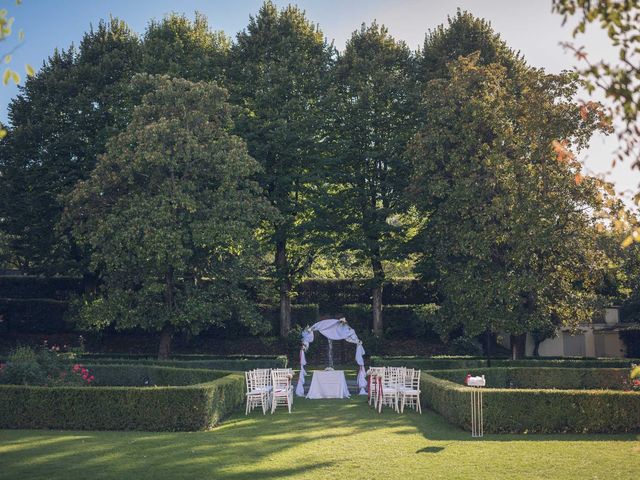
518,344
166,336
376,296
284,286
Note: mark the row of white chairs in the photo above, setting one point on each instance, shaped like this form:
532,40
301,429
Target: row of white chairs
394,387
268,388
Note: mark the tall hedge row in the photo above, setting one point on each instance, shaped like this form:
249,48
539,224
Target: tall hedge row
535,411
37,305
167,408
331,295
400,321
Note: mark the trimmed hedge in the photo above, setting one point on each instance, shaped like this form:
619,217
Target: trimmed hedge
231,364
543,377
135,375
167,408
535,411
439,363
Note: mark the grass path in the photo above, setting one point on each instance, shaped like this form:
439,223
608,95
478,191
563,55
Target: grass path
332,439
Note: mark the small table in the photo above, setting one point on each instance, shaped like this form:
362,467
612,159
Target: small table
328,384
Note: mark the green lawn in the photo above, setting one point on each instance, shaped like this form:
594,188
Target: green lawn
332,439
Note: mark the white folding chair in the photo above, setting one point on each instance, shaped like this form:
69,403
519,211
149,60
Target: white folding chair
258,392
374,374
410,394
391,384
282,389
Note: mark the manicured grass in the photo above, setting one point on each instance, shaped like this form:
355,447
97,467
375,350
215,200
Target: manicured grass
332,439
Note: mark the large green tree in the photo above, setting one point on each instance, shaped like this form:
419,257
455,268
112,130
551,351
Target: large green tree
278,74
60,123
373,101
510,239
171,214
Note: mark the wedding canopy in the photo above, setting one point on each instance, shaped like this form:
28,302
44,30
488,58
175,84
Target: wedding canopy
333,329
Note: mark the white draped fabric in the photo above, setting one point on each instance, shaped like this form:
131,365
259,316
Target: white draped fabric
333,329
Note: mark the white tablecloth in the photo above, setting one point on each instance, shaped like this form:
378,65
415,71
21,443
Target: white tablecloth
328,384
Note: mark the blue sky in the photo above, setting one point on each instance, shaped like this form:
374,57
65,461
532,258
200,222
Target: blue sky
526,25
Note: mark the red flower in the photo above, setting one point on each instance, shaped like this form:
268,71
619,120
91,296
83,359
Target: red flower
84,371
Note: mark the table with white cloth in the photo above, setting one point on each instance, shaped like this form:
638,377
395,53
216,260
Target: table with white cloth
328,384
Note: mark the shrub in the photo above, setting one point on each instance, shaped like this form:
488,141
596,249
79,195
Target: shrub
22,368
43,366
166,408
537,410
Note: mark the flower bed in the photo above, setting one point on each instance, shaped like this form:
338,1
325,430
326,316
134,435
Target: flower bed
200,405
534,410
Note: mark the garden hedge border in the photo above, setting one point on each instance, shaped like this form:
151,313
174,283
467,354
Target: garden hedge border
534,410
167,408
538,378
446,363
233,364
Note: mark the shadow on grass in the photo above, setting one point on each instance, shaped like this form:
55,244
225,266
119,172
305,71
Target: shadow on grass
254,446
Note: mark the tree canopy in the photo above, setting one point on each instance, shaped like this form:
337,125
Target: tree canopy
372,101
171,214
509,237
278,74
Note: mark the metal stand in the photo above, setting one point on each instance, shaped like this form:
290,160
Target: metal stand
331,353
477,421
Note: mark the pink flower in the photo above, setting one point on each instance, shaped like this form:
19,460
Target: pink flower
85,376
76,368
91,378
84,371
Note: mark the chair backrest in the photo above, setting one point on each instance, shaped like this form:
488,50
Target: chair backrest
263,376
248,378
394,377
416,380
281,378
